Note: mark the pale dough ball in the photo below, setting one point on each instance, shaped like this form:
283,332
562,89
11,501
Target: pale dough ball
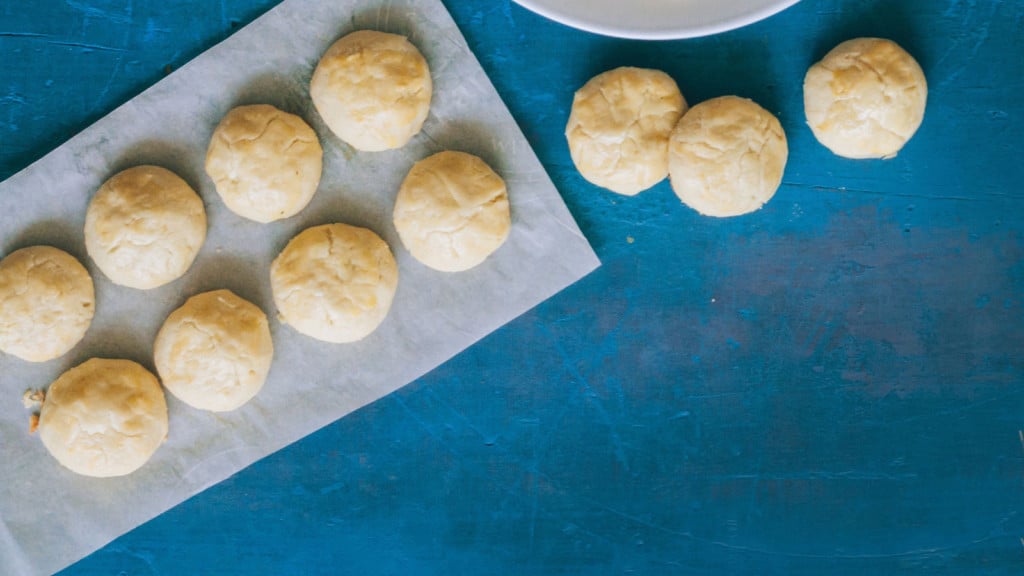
104,417
144,227
334,282
452,211
373,90
619,128
265,163
727,156
215,351
865,99
46,303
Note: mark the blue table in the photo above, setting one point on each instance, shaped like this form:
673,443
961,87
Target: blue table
832,385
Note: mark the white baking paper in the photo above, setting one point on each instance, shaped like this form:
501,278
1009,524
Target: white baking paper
50,517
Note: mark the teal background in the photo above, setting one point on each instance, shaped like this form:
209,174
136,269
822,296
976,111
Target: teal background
831,385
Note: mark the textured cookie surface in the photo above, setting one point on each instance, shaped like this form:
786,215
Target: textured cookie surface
104,417
373,90
144,227
265,163
334,282
46,303
727,157
619,128
214,352
865,99
452,211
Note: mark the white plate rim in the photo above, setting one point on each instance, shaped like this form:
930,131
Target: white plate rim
674,32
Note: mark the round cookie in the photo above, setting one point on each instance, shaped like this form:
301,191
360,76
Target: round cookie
265,163
373,90
727,156
104,417
334,282
452,211
144,227
214,352
865,99
46,303
619,128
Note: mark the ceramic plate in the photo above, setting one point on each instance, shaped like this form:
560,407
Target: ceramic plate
656,19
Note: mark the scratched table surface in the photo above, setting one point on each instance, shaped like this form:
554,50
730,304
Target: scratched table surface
832,385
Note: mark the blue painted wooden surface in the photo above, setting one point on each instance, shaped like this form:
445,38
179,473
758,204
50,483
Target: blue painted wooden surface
832,385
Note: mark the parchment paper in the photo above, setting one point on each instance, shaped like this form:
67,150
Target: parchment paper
50,517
